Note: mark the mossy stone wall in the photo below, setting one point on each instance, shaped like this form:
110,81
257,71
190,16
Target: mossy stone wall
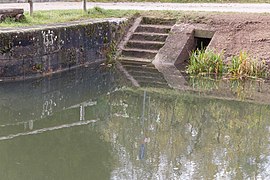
33,52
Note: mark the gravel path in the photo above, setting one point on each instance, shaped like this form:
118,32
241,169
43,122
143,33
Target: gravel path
225,7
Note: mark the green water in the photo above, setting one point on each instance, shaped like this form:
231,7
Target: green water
85,124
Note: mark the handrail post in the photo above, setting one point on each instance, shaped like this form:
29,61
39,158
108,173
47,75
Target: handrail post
31,7
84,5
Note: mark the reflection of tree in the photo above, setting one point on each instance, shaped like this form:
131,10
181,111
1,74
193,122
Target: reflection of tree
190,137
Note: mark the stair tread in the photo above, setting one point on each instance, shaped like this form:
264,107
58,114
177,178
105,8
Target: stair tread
159,79
152,82
146,73
128,58
140,50
146,42
156,26
142,67
151,33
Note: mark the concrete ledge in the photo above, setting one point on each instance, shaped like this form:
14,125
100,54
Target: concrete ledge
175,51
177,45
180,42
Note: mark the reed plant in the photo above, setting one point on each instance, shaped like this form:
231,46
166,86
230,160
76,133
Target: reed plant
241,66
206,62
244,66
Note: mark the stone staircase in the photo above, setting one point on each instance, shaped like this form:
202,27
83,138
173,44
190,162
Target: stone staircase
141,48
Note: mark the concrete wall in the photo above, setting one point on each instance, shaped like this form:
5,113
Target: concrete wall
34,52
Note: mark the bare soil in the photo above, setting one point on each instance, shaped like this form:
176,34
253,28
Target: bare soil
237,32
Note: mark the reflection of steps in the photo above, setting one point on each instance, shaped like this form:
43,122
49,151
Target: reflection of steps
141,49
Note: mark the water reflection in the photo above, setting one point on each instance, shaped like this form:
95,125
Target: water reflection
187,137
86,125
254,90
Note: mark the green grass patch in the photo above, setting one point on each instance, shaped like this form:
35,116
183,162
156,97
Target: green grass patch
206,62
242,66
187,1
62,16
184,1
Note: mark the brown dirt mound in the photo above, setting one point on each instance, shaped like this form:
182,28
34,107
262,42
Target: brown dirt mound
239,32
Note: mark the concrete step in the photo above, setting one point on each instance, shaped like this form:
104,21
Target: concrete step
150,79
133,59
153,45
158,21
139,53
139,65
154,28
140,68
153,84
146,36
146,73
136,63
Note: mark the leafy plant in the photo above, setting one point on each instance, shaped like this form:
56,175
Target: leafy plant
206,62
244,66
111,53
241,66
99,10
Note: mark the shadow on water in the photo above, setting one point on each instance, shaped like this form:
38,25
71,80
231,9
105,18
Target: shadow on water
84,124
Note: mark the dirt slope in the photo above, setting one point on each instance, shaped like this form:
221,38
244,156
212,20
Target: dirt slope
239,32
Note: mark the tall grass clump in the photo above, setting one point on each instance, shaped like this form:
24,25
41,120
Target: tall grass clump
206,62
243,66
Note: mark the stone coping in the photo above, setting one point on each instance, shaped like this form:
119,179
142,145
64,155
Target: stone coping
60,25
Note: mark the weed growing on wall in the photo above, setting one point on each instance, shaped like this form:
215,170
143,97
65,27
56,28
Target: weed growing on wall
110,55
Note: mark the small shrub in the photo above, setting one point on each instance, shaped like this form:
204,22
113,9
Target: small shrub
111,53
243,66
99,9
206,62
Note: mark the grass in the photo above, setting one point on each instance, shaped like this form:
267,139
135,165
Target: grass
241,66
183,1
206,62
61,16
187,1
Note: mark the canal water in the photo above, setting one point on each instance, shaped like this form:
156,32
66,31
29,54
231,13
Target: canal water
89,124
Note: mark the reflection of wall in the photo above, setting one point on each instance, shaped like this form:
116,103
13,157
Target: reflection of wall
37,99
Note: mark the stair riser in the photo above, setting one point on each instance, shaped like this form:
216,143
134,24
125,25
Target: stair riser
153,29
144,45
151,73
146,37
138,54
142,69
136,63
156,21
150,84
150,79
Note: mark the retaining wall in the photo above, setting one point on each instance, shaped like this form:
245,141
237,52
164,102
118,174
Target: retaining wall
34,52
